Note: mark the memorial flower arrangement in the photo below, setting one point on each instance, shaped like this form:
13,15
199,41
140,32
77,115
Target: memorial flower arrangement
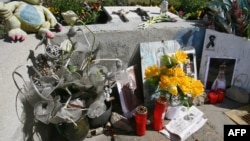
157,19
67,84
171,80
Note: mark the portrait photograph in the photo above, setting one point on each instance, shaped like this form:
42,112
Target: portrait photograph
219,72
190,68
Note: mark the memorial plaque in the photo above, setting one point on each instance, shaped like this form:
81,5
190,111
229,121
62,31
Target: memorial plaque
223,45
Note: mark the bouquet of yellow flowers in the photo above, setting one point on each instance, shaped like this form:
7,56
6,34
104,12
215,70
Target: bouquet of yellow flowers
171,80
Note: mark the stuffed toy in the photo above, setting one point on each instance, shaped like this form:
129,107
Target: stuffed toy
28,16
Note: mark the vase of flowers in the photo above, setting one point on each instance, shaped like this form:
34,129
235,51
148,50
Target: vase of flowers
171,81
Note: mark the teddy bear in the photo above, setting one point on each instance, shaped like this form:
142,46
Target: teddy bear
28,16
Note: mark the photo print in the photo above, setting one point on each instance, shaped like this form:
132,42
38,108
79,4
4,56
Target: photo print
219,73
129,90
190,68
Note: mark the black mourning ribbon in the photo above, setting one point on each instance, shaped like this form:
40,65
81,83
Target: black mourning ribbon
211,41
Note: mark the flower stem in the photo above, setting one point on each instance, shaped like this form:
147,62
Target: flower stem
89,31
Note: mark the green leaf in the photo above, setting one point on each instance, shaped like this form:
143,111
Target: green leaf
167,61
72,68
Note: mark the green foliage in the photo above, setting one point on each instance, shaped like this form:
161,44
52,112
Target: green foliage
65,5
188,9
109,3
168,61
190,6
88,14
72,68
224,16
175,3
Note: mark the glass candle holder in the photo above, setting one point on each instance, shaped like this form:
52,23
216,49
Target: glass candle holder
141,120
221,95
159,113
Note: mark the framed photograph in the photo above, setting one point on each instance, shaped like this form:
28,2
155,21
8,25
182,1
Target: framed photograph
129,90
190,68
235,49
219,72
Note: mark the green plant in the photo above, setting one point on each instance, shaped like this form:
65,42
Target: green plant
188,9
229,17
87,13
64,5
108,3
190,6
174,3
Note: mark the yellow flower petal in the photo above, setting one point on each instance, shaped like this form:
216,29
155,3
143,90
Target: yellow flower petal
173,90
152,71
181,57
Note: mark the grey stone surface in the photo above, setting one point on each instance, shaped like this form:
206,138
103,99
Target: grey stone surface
4,0
118,40
237,94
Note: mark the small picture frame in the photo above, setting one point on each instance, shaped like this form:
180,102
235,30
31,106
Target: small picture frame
190,68
213,68
129,90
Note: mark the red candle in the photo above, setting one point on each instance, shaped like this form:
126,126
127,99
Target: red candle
213,97
221,95
159,112
141,120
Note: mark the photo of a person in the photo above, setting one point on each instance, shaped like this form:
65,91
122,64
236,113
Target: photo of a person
189,69
219,73
130,92
220,81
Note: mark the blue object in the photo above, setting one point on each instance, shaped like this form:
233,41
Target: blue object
30,15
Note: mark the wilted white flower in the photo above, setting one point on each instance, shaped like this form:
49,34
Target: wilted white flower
70,17
66,45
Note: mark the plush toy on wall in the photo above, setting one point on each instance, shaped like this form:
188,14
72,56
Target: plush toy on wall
28,16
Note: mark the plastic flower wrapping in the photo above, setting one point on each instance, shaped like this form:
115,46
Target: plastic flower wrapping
66,80
171,80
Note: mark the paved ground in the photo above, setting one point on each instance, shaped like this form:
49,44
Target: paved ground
211,131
